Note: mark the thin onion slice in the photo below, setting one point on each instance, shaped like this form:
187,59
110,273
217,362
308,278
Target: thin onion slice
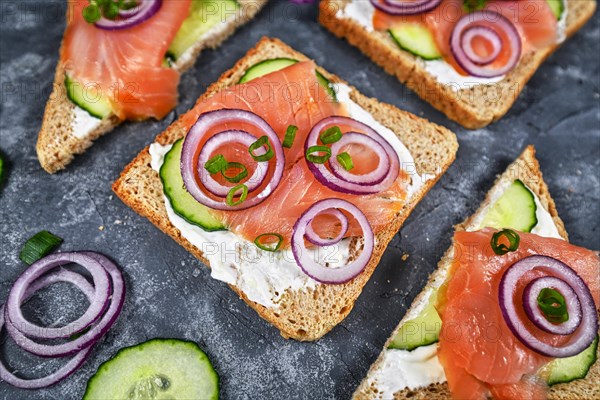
585,332
530,303
329,179
322,273
96,330
130,18
199,131
488,25
317,240
405,7
74,363
97,305
372,178
218,140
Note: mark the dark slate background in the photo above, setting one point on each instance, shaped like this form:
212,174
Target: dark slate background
170,294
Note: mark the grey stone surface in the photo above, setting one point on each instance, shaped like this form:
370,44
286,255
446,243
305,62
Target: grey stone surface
170,294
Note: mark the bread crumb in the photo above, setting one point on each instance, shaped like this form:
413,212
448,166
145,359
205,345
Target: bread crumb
101,228
405,256
118,222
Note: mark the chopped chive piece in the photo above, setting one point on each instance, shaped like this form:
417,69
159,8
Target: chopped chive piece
331,135
216,164
345,160
290,135
318,149
262,141
271,248
513,241
38,246
232,193
553,305
91,13
234,165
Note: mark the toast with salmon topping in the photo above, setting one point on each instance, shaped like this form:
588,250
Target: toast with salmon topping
88,101
419,49
419,335
301,307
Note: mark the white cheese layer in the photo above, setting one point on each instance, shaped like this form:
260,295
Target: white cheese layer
83,123
265,276
361,11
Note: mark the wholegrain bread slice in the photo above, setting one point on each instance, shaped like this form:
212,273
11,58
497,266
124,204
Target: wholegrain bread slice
303,314
57,144
473,107
527,169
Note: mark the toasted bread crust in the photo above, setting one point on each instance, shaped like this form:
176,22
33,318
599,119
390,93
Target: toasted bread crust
473,108
527,169
305,314
57,146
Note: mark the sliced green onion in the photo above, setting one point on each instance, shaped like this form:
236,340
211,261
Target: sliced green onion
216,164
331,135
262,141
235,165
91,13
290,135
345,161
553,305
315,158
511,236
39,245
232,193
261,246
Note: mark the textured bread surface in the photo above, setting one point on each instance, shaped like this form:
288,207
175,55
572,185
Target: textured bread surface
304,314
527,169
57,146
474,107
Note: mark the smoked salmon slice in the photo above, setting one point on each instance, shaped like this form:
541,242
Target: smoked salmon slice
293,96
126,66
479,353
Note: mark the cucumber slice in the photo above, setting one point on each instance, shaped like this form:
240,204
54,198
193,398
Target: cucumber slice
87,98
157,369
564,370
514,209
275,64
204,14
416,39
422,330
557,7
182,202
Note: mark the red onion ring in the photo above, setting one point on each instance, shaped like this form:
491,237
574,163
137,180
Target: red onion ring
97,305
371,178
309,265
488,34
97,330
317,240
480,23
536,316
129,18
327,178
232,136
586,331
405,7
74,363
199,131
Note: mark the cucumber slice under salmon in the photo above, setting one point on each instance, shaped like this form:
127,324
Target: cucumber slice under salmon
87,98
557,7
564,370
275,64
204,15
422,330
515,209
416,39
181,201
155,370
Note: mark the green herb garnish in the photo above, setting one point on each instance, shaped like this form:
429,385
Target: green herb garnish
318,159
108,9
331,135
270,247
39,245
232,193
236,178
290,135
474,5
216,164
501,248
553,305
262,141
345,160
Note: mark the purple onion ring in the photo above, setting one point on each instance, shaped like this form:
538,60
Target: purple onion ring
486,33
405,7
129,18
317,240
372,178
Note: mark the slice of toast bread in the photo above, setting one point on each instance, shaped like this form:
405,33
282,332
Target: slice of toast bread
302,314
527,169
57,144
473,107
